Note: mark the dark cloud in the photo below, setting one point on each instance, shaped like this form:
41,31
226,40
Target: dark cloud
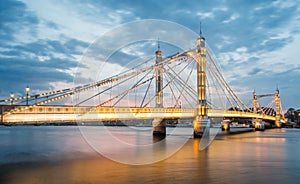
12,12
17,74
37,64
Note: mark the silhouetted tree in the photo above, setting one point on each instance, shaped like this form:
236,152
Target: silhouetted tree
290,114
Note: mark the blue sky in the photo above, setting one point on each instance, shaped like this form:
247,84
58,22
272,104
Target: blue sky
257,43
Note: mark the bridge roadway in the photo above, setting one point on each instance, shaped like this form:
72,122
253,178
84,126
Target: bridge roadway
31,114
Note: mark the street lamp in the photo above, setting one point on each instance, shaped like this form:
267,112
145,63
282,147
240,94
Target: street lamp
11,98
27,89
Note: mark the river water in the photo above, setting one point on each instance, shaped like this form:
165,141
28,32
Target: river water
71,154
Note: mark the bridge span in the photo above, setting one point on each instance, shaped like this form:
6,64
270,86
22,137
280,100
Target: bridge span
186,86
89,114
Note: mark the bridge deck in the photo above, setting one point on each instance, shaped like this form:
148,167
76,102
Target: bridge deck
86,113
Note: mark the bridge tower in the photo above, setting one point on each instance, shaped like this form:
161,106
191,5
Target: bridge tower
201,121
254,102
158,125
277,108
159,78
258,125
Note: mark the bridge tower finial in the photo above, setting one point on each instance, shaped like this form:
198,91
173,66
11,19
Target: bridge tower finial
158,45
200,33
158,52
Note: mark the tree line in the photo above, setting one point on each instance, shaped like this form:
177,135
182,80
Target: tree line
293,116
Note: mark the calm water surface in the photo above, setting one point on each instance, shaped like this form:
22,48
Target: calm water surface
66,154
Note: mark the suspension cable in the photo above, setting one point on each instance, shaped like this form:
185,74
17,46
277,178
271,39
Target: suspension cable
147,90
165,86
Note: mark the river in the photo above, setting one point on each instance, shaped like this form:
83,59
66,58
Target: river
96,154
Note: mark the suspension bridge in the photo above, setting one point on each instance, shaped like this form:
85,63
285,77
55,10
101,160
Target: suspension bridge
186,85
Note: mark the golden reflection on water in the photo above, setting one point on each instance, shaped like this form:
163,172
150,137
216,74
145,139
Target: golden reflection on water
245,158
196,147
264,139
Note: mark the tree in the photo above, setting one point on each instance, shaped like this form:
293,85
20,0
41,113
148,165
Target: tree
290,114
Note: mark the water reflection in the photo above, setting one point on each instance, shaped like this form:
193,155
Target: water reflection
255,157
158,138
196,147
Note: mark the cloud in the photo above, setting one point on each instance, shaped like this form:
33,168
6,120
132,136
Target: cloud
283,4
75,22
231,18
204,15
47,39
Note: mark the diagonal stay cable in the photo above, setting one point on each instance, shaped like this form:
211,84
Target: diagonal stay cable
183,86
125,92
217,85
146,93
121,77
166,84
186,99
169,61
239,102
151,99
186,82
105,90
183,83
228,89
132,87
173,94
180,62
223,88
60,94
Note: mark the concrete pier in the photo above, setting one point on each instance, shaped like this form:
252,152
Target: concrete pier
200,124
158,126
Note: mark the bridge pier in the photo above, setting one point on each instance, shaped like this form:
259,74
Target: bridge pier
159,127
259,125
200,124
225,125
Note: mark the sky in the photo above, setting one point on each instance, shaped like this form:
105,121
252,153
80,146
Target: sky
257,43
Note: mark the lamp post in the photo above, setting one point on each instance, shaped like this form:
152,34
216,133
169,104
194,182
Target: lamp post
11,98
27,89
298,123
